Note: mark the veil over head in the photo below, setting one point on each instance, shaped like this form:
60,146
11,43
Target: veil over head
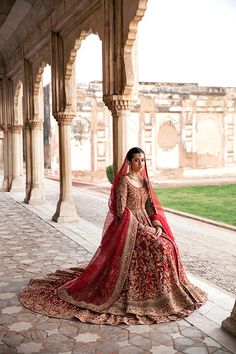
102,280
159,212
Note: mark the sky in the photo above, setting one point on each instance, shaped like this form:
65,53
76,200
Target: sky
178,41
188,41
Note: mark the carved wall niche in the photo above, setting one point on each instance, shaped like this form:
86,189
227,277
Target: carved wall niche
208,143
168,139
167,135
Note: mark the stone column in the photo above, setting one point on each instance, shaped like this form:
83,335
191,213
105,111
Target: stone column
17,178
9,155
36,193
66,211
120,107
229,325
5,182
27,151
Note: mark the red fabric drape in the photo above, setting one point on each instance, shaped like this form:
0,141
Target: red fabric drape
102,280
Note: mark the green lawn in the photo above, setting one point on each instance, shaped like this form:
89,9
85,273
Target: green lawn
212,202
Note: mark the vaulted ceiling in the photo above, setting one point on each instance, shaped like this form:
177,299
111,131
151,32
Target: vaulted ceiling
15,25
5,8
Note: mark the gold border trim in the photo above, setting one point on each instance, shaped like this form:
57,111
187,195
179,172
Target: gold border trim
125,263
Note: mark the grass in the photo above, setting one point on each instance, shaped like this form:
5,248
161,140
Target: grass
216,202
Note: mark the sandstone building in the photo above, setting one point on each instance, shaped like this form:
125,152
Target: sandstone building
185,130
34,33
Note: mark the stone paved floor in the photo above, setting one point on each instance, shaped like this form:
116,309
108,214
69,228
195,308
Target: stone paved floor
211,255
31,246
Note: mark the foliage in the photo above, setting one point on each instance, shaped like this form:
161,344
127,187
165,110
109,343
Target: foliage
110,174
216,202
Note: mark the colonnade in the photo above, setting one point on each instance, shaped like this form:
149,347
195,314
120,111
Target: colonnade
119,94
116,24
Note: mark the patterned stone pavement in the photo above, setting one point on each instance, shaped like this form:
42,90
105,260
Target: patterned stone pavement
211,255
31,247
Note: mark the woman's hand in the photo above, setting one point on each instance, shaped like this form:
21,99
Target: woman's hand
158,227
158,230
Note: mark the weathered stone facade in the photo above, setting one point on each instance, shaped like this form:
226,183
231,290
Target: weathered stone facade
185,130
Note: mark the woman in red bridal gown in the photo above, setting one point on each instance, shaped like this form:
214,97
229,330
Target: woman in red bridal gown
136,276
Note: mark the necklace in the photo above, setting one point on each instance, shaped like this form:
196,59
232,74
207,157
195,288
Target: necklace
134,178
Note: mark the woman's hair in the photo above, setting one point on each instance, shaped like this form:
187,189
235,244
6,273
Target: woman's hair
133,151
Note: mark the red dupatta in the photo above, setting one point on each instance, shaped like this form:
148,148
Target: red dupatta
102,280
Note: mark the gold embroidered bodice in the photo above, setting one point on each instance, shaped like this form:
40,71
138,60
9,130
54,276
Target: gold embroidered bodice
136,199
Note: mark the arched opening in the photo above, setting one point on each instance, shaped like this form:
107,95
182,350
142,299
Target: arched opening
91,143
185,78
90,129
50,137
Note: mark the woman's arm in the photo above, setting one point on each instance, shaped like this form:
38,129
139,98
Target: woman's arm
151,213
121,196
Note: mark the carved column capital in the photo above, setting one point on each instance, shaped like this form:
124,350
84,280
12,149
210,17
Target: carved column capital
35,124
16,128
64,118
4,128
116,103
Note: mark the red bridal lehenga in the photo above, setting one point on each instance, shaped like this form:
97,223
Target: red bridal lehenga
134,277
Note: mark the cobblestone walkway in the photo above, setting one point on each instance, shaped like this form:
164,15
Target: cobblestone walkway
29,248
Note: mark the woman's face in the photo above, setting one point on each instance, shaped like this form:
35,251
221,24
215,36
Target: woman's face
137,162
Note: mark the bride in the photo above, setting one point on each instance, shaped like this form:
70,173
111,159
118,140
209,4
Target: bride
136,275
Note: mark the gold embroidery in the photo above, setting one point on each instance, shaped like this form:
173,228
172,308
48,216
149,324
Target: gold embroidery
125,261
151,287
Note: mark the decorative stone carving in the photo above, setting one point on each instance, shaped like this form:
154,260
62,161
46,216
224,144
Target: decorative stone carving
64,118
167,136
116,103
35,124
120,107
16,129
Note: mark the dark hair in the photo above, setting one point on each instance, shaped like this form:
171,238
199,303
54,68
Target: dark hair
133,151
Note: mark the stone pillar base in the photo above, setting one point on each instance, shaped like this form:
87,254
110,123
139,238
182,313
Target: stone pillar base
229,325
5,185
17,185
66,212
36,197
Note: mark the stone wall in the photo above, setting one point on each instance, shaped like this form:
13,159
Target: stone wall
186,130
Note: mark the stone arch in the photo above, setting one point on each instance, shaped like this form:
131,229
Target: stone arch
38,90
18,104
131,86
168,136
70,67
